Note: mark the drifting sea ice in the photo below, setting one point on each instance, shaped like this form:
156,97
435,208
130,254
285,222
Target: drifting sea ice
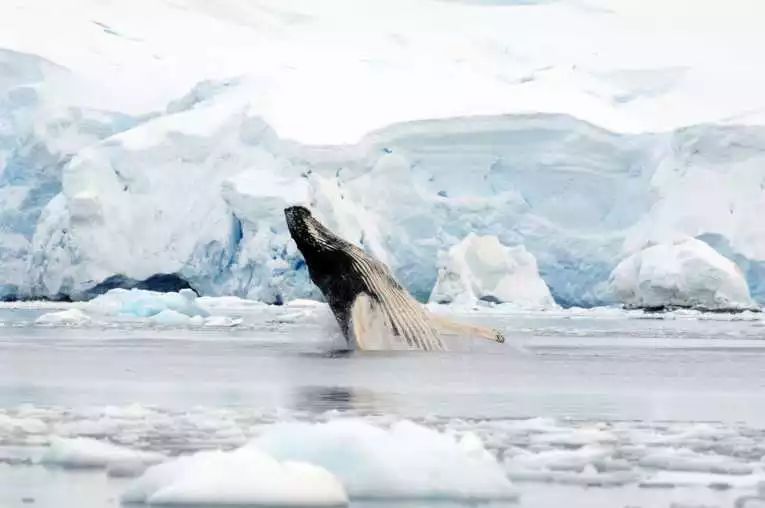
245,476
83,452
142,303
63,318
405,461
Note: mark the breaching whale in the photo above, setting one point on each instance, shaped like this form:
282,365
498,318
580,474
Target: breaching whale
362,293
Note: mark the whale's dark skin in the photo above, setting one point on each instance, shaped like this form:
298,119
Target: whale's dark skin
345,274
330,263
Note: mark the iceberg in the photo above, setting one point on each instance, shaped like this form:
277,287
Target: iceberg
242,477
481,268
406,461
140,303
64,317
685,274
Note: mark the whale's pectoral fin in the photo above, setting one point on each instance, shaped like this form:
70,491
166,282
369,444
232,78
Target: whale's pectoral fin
449,327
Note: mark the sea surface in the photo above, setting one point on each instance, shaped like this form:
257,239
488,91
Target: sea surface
582,409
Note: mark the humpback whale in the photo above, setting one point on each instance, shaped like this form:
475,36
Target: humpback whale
363,295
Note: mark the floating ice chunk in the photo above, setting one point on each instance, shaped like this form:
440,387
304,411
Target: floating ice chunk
407,461
88,427
561,460
673,459
692,479
588,476
26,425
64,317
142,303
481,268
168,317
130,412
687,273
227,303
222,321
245,476
82,452
576,437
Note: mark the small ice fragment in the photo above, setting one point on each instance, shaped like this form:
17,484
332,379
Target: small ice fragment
222,321
85,452
69,317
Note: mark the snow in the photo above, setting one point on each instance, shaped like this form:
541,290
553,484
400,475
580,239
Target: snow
82,452
582,149
481,268
406,461
686,273
243,477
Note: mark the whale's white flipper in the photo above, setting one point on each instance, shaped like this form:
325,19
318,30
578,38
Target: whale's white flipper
446,326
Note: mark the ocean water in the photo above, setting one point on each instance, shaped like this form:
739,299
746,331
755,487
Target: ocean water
583,409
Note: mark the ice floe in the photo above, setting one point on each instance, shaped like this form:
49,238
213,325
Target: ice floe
406,461
381,456
83,452
68,317
243,477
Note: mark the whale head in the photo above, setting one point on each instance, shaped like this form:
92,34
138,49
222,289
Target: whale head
309,234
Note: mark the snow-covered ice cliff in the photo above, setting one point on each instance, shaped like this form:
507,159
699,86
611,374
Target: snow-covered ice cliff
132,156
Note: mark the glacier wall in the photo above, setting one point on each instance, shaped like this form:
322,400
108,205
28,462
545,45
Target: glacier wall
37,139
196,192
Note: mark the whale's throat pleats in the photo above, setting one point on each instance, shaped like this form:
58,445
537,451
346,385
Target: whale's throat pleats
385,316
